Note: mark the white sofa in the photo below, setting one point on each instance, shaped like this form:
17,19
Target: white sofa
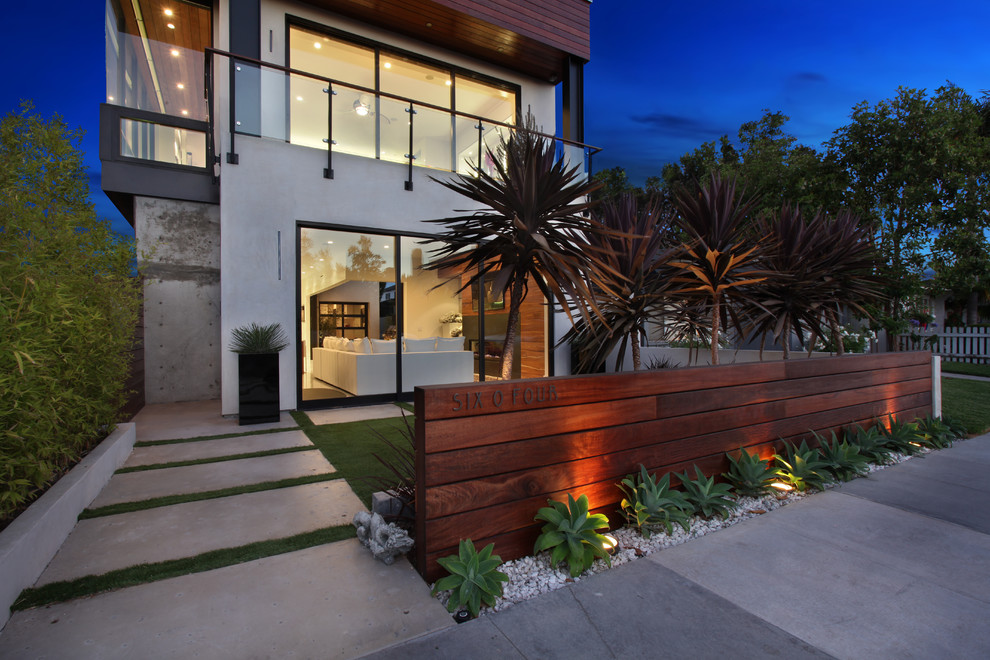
374,373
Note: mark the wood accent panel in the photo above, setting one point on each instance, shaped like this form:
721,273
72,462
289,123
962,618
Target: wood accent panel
483,470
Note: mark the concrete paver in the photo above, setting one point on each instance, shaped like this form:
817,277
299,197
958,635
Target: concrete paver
147,484
358,414
192,419
106,543
330,601
192,451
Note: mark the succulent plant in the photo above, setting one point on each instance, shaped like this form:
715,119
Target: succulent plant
749,474
934,433
705,496
256,338
649,504
871,444
473,579
843,460
900,436
570,534
802,467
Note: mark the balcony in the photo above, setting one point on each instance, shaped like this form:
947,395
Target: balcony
298,107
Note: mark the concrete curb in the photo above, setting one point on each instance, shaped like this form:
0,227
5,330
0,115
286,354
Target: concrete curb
30,542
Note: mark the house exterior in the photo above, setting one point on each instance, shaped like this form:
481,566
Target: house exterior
276,159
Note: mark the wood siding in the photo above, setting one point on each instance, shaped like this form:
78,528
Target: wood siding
490,454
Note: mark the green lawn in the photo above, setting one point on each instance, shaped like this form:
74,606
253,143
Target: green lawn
966,368
967,401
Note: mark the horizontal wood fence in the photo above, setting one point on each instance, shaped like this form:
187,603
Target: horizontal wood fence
488,455
965,344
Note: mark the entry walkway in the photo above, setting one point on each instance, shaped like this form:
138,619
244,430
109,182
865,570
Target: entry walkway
893,566
328,601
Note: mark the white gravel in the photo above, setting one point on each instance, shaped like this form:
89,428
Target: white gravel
531,576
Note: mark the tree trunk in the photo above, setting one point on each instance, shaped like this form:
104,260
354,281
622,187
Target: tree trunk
840,348
634,338
973,308
715,320
511,328
785,340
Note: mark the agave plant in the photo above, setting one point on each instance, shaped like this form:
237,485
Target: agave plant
870,443
473,578
934,433
705,496
530,228
570,534
801,467
843,460
635,284
720,261
650,503
749,474
900,436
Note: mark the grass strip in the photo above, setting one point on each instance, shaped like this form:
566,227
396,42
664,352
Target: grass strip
405,405
57,592
966,368
301,418
201,438
168,500
217,459
350,447
968,402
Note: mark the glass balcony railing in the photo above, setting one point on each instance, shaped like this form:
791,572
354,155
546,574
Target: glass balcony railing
276,102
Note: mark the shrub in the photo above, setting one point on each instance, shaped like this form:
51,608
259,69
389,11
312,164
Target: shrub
649,504
749,474
473,579
570,534
843,460
705,496
801,467
258,339
68,308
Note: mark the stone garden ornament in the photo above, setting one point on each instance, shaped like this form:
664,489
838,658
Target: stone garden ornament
385,540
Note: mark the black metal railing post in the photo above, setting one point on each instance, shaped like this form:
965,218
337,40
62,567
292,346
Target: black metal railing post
481,142
212,158
232,155
410,155
328,171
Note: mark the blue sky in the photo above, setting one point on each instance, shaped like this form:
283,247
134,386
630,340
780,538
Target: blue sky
664,76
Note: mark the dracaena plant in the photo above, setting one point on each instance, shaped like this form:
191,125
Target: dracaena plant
842,459
802,467
749,474
650,503
571,535
473,578
721,258
706,497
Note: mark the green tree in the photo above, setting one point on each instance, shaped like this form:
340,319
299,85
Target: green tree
68,307
915,168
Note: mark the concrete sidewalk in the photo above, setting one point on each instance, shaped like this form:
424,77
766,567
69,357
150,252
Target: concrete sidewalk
893,566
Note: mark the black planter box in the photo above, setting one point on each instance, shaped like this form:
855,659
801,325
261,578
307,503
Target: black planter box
257,382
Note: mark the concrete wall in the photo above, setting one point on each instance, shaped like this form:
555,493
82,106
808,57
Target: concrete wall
179,249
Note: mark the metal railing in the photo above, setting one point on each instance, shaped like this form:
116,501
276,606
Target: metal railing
260,104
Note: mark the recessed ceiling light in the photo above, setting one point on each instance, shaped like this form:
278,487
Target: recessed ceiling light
299,98
429,25
170,26
329,242
180,86
109,98
175,52
505,95
168,12
388,65
321,259
185,112
317,45
447,83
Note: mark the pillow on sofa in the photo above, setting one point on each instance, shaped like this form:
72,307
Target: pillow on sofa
362,345
427,345
450,343
328,342
383,346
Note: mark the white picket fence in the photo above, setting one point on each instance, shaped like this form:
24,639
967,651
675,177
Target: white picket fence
954,344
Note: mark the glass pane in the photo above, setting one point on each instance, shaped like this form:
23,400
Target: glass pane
354,122
394,125
467,145
412,80
483,100
436,352
338,60
308,112
163,144
492,139
247,96
154,56
431,138
347,306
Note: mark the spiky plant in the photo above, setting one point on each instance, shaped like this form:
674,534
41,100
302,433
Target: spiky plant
843,460
707,497
473,578
749,474
871,443
934,433
900,436
570,533
720,260
254,338
650,503
802,467
399,462
530,227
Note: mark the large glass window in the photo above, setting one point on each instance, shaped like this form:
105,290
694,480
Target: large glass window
164,144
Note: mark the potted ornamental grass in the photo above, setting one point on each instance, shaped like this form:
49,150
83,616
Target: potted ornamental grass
257,348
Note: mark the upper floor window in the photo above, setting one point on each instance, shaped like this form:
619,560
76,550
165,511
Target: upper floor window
154,55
